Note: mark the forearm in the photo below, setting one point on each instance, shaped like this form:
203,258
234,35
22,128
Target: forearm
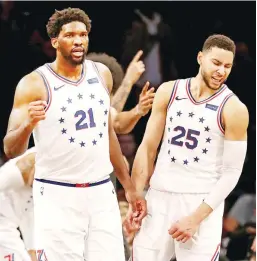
16,141
142,168
231,171
121,96
126,120
10,177
120,168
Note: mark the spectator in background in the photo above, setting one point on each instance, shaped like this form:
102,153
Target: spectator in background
156,40
241,213
239,226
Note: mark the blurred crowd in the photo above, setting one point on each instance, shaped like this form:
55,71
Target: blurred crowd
24,45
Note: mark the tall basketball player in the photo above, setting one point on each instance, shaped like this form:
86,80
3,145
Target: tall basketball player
204,129
66,105
16,208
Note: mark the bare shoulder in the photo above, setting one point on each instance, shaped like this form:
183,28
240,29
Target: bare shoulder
236,110
164,92
30,88
105,74
235,117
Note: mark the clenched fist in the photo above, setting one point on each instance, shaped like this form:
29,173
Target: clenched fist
36,112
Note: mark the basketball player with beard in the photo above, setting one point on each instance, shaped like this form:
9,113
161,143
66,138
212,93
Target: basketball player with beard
203,127
66,105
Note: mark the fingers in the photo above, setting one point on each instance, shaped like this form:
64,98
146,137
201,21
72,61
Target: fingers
147,97
145,88
151,90
128,227
177,233
184,240
137,56
36,111
142,211
40,102
173,229
147,101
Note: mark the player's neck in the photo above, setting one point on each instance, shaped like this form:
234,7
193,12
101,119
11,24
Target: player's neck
199,89
67,70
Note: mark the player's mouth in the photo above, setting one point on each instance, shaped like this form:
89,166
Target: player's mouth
77,52
216,81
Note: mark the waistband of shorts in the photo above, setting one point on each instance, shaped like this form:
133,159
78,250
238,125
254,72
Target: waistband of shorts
74,185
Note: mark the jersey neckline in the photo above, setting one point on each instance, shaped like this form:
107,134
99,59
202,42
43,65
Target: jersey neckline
191,98
64,79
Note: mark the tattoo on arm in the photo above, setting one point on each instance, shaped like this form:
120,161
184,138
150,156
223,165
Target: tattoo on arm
121,96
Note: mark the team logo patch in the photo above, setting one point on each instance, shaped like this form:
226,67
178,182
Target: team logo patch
92,81
211,107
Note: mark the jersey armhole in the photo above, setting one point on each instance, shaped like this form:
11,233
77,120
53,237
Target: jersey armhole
100,77
48,89
219,115
173,94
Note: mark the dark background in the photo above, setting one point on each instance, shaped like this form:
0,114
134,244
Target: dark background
190,22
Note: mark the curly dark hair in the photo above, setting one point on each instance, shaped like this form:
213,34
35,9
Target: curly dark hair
65,16
112,64
220,41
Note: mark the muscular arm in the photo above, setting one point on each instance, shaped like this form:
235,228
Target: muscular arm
235,119
30,88
133,73
121,170
121,96
26,165
125,121
146,153
116,157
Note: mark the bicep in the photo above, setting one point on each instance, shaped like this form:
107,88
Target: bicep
156,124
30,88
17,117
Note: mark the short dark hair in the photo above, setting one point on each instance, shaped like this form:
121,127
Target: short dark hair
220,41
115,68
65,16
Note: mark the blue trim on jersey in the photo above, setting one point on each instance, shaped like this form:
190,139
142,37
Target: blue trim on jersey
173,91
221,109
207,99
76,185
46,85
65,79
100,77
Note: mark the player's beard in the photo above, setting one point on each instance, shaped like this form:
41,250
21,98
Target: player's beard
207,80
68,57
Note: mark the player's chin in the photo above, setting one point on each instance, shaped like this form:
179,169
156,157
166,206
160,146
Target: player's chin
215,86
78,61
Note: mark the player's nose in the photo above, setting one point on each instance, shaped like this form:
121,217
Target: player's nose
221,70
77,40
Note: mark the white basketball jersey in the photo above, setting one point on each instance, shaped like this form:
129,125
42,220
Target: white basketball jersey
73,142
190,158
16,203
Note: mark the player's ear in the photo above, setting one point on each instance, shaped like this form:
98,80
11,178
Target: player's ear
199,58
54,42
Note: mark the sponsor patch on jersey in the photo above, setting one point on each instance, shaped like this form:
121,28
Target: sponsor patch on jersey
211,107
92,81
